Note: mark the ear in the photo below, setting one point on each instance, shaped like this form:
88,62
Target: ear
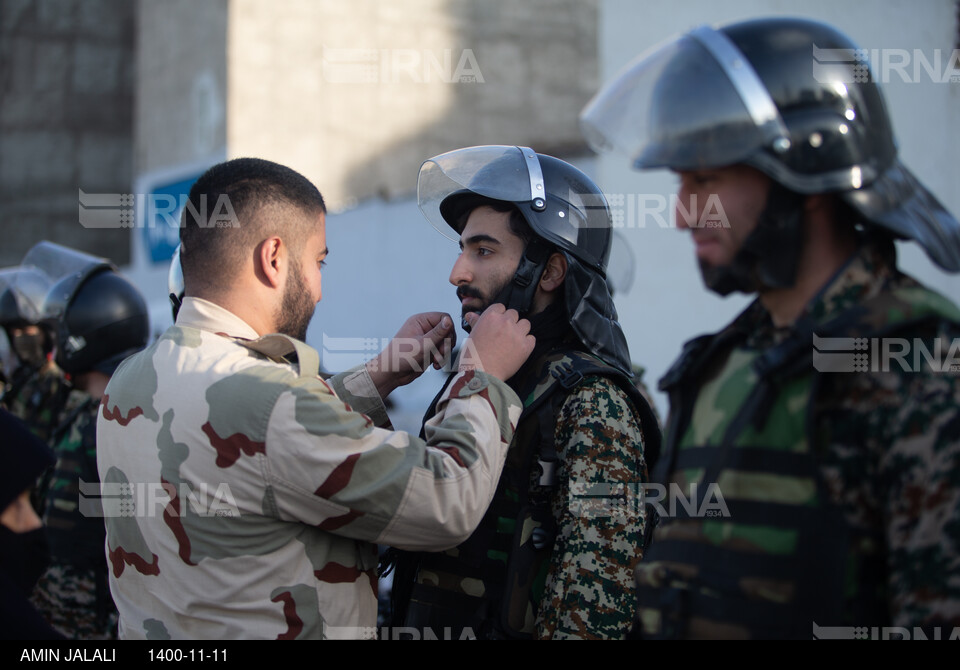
555,272
270,258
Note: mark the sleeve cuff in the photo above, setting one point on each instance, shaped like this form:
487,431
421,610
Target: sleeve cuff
355,388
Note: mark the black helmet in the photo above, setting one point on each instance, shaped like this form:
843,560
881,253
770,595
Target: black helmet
105,321
99,317
10,316
563,207
22,292
789,97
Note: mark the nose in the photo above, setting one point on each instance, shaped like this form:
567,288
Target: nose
685,208
461,273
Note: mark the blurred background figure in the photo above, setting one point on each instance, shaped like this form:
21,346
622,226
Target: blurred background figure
35,388
99,318
23,550
839,473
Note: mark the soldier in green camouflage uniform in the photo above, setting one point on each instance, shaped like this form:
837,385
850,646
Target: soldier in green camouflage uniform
247,494
835,467
543,564
100,318
36,389
73,594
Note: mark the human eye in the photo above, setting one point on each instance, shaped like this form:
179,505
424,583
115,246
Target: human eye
694,180
704,178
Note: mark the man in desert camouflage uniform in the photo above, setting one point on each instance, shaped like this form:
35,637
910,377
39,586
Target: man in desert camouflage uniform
535,236
252,493
840,472
98,318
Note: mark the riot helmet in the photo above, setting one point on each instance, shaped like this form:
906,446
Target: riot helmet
566,212
99,317
789,97
22,291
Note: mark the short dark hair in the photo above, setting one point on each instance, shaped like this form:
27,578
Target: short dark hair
220,223
518,225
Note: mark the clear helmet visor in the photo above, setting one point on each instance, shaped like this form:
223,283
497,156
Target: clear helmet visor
693,103
28,287
65,268
507,173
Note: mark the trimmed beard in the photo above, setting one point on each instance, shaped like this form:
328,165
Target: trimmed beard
296,308
467,291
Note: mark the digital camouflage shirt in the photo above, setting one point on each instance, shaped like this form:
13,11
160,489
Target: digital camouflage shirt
576,580
588,592
252,496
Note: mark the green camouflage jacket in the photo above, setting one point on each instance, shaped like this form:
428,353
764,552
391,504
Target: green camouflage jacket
252,496
837,466
73,594
38,398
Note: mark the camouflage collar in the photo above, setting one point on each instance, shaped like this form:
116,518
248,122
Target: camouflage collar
209,316
863,276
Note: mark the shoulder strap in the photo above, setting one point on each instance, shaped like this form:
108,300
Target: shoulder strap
285,349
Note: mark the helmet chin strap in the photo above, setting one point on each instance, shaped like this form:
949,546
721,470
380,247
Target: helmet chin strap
770,254
519,292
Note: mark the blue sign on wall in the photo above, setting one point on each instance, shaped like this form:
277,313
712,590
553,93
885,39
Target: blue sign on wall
161,211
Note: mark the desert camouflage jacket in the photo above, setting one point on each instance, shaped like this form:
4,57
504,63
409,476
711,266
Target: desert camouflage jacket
252,496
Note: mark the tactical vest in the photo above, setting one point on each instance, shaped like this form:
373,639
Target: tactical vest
786,559
73,516
490,585
38,397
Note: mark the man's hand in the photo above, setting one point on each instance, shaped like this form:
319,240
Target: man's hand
424,339
499,343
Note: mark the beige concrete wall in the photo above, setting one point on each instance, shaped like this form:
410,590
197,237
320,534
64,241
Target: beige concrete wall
66,73
180,96
357,94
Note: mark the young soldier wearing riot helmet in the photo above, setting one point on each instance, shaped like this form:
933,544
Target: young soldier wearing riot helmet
841,485
535,236
98,318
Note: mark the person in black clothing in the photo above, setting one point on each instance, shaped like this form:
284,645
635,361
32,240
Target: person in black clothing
23,553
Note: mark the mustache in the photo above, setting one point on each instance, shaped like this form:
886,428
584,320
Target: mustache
466,291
